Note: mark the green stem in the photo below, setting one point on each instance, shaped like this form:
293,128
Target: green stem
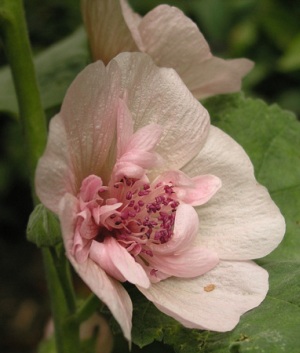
16,44
63,306
89,306
13,31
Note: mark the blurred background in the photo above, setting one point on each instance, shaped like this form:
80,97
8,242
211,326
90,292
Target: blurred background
265,31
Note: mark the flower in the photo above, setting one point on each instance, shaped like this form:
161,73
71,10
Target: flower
134,170
169,37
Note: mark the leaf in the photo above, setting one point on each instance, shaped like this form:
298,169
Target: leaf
291,59
56,68
270,136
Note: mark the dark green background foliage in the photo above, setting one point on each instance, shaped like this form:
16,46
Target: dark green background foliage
266,31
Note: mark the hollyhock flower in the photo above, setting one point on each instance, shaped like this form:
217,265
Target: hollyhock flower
169,37
148,192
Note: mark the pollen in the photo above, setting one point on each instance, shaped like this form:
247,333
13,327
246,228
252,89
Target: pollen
209,288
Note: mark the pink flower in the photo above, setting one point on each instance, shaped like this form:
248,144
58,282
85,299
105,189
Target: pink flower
169,37
134,171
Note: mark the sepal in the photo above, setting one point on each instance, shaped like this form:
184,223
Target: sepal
43,228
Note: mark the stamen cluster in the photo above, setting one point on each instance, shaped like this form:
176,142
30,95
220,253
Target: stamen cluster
147,214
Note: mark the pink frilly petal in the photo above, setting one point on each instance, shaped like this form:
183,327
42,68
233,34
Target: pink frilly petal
187,264
194,191
185,232
117,262
241,221
214,301
110,291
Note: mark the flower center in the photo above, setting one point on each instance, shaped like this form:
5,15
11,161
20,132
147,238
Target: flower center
147,215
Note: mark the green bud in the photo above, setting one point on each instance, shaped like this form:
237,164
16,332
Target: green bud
43,228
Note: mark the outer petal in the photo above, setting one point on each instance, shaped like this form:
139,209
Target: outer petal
158,96
173,40
107,30
241,221
215,300
54,176
89,112
216,76
110,291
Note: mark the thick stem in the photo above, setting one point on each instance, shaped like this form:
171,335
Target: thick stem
88,307
16,44
13,31
62,302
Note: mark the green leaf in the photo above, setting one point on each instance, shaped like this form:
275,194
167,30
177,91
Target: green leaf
56,68
291,59
43,227
270,136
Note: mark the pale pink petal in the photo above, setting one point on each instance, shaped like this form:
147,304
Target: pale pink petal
54,176
214,301
132,20
241,221
107,30
158,96
204,189
146,138
190,263
80,136
110,291
144,159
173,40
185,231
216,76
124,128
89,113
116,261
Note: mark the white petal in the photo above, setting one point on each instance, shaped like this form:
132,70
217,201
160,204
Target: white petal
214,301
241,221
158,96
